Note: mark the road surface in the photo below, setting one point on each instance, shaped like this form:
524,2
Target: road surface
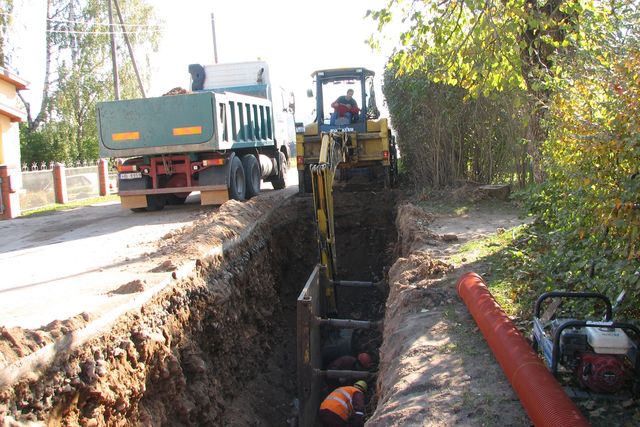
58,265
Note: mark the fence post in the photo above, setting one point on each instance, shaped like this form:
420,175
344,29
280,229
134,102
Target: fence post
103,176
60,183
9,191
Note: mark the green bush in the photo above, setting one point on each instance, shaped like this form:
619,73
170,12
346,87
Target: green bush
445,136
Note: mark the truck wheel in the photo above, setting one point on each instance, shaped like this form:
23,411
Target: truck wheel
237,187
174,199
251,174
279,182
155,202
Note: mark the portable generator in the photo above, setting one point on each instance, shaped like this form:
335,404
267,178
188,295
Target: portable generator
602,355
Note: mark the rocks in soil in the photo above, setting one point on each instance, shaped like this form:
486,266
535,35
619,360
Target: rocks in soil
449,238
186,357
132,287
167,265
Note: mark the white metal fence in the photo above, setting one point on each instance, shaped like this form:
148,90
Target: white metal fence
82,182
37,189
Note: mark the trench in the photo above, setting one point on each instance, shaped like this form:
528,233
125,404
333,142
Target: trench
219,348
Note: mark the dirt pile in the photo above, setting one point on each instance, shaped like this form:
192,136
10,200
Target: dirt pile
16,343
187,356
435,368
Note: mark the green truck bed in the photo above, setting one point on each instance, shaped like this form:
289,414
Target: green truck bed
195,122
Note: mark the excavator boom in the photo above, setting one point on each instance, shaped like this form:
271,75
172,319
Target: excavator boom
332,153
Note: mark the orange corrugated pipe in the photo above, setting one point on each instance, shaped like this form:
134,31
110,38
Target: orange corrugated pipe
543,399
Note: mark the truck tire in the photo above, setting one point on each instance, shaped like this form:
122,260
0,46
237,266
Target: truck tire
280,182
155,202
393,161
251,174
174,199
237,184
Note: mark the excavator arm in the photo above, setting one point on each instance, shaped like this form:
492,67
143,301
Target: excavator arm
332,153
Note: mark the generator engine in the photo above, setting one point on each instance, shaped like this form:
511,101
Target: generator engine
600,354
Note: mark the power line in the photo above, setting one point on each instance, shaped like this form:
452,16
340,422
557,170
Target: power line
116,32
102,32
105,24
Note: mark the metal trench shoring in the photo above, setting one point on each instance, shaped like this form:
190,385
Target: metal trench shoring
310,319
318,298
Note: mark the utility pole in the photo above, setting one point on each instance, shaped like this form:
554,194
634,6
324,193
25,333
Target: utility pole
126,39
114,60
215,46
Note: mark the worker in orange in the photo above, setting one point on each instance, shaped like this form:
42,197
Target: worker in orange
344,407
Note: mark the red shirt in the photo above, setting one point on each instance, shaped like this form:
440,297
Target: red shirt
344,363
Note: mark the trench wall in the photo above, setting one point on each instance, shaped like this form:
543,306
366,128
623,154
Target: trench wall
186,357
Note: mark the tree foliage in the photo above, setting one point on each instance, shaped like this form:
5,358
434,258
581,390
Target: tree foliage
6,8
497,46
486,46
576,62
79,74
592,197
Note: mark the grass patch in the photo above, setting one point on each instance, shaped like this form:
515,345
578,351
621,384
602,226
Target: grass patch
503,290
441,207
448,348
477,249
499,254
71,205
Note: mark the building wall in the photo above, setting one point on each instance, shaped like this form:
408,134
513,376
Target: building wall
7,93
9,132
9,142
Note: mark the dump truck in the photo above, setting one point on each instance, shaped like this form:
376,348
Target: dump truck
231,131
370,145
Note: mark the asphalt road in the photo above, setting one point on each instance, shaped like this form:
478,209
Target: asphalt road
58,265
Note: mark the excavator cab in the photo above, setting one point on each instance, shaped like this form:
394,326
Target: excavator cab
369,143
330,85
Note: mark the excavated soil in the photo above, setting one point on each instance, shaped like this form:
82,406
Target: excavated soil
188,356
218,346
436,369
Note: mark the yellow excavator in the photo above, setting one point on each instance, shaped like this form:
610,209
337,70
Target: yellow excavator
317,306
332,153
368,145
329,148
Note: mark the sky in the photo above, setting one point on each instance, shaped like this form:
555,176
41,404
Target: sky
294,37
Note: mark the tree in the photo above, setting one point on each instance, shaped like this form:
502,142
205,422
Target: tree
78,71
488,46
6,8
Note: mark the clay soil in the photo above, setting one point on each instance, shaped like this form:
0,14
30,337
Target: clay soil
218,347
215,348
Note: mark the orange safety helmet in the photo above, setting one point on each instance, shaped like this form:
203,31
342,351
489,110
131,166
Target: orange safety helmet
365,360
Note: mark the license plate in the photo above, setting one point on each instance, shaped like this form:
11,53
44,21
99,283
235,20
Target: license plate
132,175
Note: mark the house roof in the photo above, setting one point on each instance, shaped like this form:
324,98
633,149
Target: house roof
14,79
13,114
